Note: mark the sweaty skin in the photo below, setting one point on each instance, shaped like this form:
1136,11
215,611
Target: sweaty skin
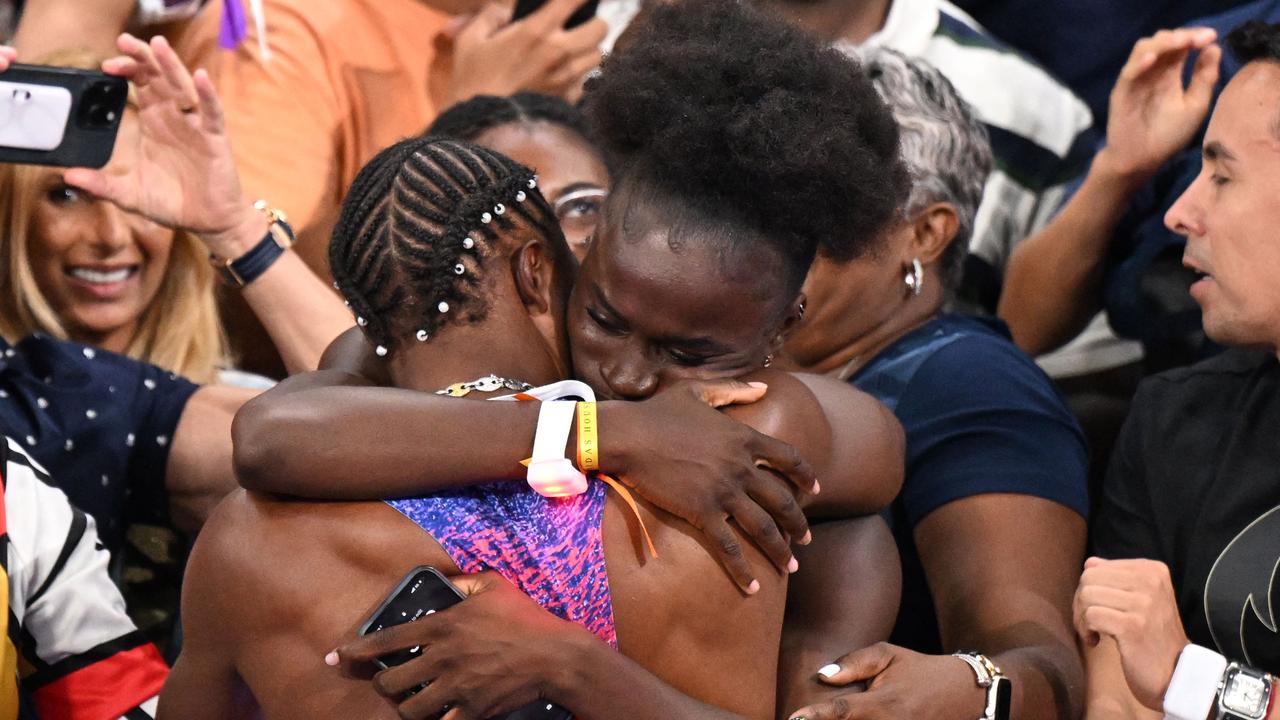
274,585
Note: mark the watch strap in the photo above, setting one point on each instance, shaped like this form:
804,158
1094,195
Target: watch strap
550,473
1194,685
250,266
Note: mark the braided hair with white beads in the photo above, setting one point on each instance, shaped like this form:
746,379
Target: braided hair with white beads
416,228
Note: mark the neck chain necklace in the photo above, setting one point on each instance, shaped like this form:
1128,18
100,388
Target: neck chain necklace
488,383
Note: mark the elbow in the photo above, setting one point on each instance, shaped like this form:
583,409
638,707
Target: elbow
252,452
893,460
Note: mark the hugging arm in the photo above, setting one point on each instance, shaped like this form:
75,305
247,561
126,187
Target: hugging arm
311,434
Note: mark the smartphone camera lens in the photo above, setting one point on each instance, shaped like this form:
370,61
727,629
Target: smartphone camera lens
101,105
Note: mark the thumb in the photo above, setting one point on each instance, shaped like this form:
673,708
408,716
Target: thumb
718,393
1204,76
477,583
858,666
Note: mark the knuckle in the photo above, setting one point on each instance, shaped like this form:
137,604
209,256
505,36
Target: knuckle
729,546
841,708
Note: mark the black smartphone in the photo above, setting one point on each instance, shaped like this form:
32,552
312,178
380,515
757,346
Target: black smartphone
583,14
425,591
59,116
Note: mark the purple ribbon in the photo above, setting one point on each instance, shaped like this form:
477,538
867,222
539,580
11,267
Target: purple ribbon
235,27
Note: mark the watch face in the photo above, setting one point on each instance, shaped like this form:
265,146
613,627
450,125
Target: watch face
1245,695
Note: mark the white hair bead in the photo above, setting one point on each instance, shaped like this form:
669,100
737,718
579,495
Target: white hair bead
486,218
499,209
468,243
459,269
421,335
361,321
443,307
520,196
381,351
533,182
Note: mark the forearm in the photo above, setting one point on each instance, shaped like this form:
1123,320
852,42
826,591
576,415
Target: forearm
601,683
51,25
300,313
1052,282
1047,680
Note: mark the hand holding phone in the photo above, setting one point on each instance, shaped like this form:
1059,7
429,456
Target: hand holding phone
585,12
185,175
424,592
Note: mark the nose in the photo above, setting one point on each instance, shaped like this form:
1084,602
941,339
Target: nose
1185,217
630,378
113,229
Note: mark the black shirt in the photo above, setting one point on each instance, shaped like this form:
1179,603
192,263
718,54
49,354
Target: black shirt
1195,483
99,423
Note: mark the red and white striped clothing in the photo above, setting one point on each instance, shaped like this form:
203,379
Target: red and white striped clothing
73,651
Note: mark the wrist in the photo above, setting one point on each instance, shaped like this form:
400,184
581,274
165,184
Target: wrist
240,237
611,419
1111,169
579,667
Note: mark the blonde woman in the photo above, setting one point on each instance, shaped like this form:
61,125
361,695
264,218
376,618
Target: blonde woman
94,256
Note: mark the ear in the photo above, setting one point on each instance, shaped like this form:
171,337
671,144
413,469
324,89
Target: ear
795,313
533,270
934,227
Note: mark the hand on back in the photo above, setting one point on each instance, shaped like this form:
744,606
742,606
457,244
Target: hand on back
692,461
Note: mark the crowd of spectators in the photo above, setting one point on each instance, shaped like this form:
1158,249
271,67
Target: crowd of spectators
923,358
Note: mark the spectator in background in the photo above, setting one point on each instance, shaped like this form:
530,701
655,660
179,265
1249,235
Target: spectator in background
64,636
1190,516
79,267
996,465
550,136
1085,43
1114,249
346,78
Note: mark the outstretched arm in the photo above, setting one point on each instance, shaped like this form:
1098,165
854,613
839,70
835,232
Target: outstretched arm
1051,287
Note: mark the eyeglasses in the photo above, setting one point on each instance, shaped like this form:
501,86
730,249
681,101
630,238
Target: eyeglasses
578,211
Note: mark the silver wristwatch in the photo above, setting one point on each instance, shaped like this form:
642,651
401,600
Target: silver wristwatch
1244,694
999,688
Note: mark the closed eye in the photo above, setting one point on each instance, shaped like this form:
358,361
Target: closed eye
606,324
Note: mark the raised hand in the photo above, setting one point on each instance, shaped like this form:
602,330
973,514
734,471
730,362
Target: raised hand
185,176
685,457
494,56
1153,115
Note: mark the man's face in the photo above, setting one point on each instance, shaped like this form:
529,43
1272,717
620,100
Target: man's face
1231,213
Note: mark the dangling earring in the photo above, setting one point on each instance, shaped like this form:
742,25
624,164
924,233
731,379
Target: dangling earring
914,277
801,309
768,360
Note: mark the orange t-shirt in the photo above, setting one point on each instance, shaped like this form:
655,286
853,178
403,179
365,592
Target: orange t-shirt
346,78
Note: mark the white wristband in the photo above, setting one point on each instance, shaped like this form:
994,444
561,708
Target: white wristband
550,473
1195,684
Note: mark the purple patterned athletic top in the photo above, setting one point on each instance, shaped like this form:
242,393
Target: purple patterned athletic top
550,548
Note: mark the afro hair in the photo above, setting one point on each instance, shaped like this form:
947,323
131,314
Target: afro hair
736,113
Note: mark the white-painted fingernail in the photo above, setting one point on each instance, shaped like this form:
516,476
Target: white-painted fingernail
331,659
816,487
754,587
829,671
793,566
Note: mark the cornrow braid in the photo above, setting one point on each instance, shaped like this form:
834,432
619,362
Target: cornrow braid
409,249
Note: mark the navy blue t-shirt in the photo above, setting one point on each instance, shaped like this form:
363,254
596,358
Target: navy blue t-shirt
980,417
99,422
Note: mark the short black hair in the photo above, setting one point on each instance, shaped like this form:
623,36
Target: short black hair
1255,40
741,118
469,119
409,249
